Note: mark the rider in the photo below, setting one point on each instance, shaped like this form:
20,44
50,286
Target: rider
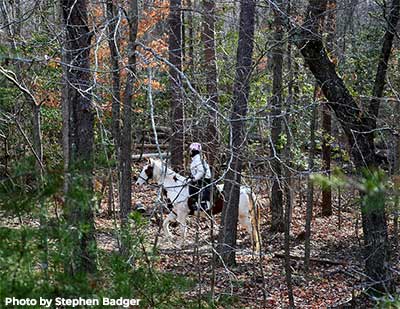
200,179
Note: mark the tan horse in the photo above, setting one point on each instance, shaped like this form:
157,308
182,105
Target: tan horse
177,191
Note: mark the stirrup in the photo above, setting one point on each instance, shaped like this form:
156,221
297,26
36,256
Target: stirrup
205,205
195,206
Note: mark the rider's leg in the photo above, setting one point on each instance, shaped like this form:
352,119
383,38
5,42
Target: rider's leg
193,192
205,195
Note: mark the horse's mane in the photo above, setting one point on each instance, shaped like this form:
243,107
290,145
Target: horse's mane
169,171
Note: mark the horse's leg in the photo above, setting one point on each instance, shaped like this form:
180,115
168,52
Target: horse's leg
248,220
244,221
182,212
171,217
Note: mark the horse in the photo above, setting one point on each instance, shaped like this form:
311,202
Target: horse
177,190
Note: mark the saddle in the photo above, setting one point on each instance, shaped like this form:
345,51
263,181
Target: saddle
215,208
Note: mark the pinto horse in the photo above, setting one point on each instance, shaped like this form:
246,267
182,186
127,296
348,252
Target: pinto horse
177,191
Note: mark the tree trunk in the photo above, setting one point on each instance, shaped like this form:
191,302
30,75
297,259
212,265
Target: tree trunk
79,212
228,229
288,210
310,188
126,137
330,26
191,35
113,43
359,129
210,63
37,138
326,206
175,58
288,175
396,171
277,222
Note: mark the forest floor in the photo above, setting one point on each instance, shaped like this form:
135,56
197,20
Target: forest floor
336,278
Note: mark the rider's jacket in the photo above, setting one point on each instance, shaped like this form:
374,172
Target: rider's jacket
199,168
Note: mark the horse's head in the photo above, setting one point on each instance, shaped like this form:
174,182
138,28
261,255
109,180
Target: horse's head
152,170
146,174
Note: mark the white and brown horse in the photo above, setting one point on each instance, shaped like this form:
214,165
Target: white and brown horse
177,191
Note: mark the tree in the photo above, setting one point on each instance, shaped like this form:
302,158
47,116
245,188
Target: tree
330,26
310,187
228,229
113,43
210,64
357,125
277,222
126,138
78,120
326,205
175,58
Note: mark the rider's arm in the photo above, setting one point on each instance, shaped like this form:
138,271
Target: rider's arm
198,173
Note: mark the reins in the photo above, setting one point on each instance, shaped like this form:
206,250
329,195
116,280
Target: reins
168,172
182,186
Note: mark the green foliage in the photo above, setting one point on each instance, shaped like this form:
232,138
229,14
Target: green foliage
7,95
337,179
51,135
133,275
156,289
37,243
388,302
361,60
20,192
373,185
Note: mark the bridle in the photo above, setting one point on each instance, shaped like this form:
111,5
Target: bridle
149,172
146,180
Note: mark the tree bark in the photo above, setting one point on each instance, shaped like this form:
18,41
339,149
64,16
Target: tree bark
396,172
80,124
326,205
210,63
228,229
330,27
126,137
310,188
37,138
191,35
113,43
277,222
288,176
359,130
177,108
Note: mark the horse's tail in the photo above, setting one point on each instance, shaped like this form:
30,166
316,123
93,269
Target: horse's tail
255,216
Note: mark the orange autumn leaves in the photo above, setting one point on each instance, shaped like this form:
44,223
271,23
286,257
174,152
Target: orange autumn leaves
149,17
148,33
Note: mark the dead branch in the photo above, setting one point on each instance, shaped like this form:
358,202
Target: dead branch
317,260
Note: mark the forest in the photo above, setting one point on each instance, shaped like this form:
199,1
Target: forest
199,153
